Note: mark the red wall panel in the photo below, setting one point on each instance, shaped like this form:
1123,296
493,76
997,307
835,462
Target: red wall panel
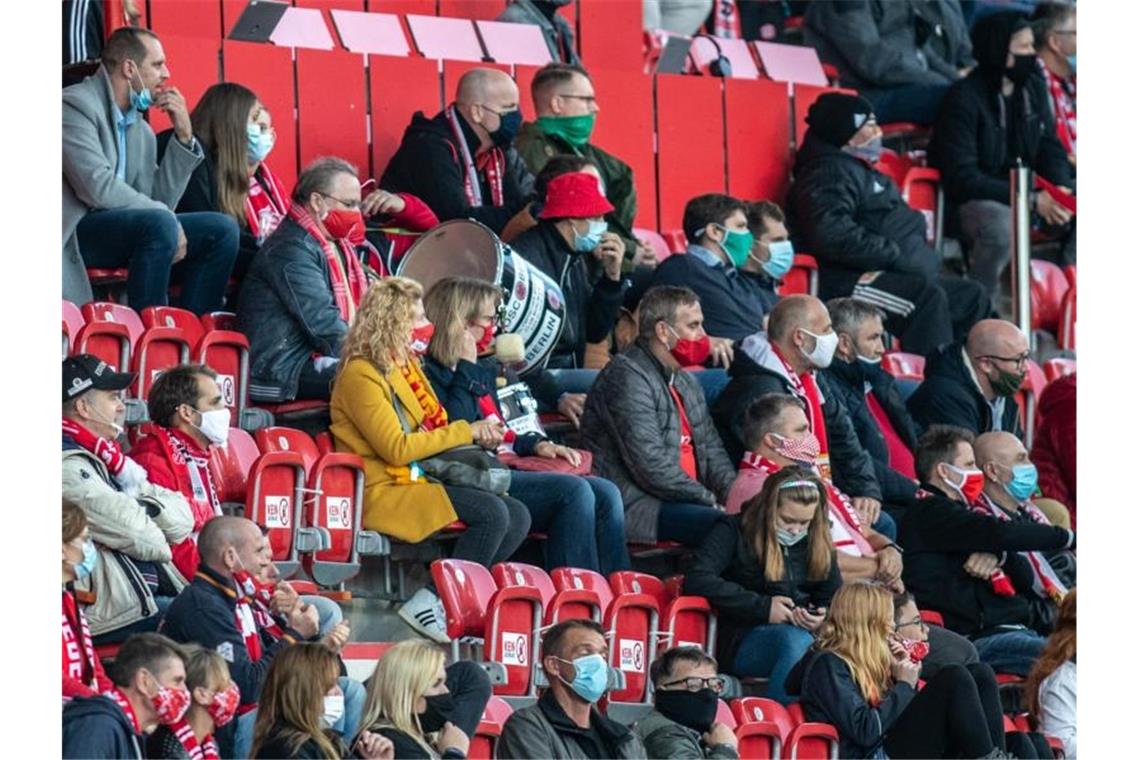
400,87
690,143
757,119
609,34
268,71
191,33
482,9
625,129
332,113
524,75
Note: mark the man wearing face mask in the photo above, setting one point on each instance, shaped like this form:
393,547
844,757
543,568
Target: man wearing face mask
565,723
462,162
972,384
648,426
686,693
967,565
997,114
772,253
119,191
871,396
800,340
869,243
1055,38
133,522
149,689
304,286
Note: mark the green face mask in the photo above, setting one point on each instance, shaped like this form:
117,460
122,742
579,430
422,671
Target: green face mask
738,245
575,130
1006,383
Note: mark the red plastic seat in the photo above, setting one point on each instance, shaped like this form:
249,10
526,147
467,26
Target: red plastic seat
803,277
904,366
99,276
558,602
893,165
324,441
576,579
157,349
110,341
932,617
632,582
227,353
486,739
676,240
654,241
1071,275
1068,331
724,714
762,726
72,323
105,311
1031,389
631,623
172,316
1059,367
230,466
274,492
922,190
809,740
1047,289
219,320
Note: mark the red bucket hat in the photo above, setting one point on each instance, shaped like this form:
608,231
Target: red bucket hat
576,195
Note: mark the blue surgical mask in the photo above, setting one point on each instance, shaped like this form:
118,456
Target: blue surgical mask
1024,483
1073,63
781,254
90,558
592,238
258,143
869,151
787,538
591,677
142,99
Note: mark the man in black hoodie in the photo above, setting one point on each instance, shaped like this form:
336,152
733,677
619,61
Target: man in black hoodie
986,122
461,162
869,243
113,724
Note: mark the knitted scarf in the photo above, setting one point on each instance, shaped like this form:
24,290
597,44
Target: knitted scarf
107,450
492,164
243,615
435,416
1045,581
79,656
346,275
185,736
192,473
1063,98
266,203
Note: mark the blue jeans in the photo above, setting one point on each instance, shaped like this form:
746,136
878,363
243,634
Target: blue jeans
886,525
145,241
712,381
146,625
771,651
686,523
1011,651
349,723
569,509
328,612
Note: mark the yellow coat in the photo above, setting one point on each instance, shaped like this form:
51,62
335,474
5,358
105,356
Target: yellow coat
364,422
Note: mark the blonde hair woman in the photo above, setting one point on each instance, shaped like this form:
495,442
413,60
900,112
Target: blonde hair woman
583,517
214,701
385,410
863,682
424,709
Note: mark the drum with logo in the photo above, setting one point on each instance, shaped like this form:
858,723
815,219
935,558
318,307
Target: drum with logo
535,307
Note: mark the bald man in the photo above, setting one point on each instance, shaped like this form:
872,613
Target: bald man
800,340
461,162
972,384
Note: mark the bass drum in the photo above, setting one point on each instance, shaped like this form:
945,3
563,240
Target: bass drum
535,307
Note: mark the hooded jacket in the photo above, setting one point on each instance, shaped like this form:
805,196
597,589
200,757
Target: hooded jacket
1055,443
979,134
757,370
96,727
428,164
950,395
853,219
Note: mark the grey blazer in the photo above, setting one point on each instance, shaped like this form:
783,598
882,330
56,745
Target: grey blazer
90,154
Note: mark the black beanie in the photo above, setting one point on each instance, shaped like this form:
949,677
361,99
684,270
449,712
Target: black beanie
835,116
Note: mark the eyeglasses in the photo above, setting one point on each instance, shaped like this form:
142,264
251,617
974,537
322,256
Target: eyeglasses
346,204
694,683
917,621
1020,361
587,98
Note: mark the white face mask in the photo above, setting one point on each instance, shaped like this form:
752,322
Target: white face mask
215,426
825,346
107,421
334,710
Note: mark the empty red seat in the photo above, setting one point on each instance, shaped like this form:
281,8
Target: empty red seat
105,311
576,579
227,353
274,490
486,739
762,726
631,623
172,316
922,190
904,366
1031,389
676,240
654,241
1047,288
724,714
931,617
809,740
219,320
110,341
1068,331
230,466
72,323
157,349
1059,367
558,603
803,277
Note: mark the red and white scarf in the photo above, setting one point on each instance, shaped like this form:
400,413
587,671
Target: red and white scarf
347,275
492,164
1063,97
243,615
192,473
117,696
1045,581
266,203
846,527
185,736
726,19
105,449
805,387
79,656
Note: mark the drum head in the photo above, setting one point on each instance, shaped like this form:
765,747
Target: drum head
458,248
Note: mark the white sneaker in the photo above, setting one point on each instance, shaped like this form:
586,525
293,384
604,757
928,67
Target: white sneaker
424,613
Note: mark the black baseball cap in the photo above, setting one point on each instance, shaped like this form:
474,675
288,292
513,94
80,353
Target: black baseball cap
85,372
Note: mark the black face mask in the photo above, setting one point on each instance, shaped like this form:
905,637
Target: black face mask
438,712
1022,68
509,124
692,709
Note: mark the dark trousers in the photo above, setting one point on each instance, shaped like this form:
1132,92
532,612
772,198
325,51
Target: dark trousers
145,241
945,719
686,523
470,688
916,103
496,525
316,384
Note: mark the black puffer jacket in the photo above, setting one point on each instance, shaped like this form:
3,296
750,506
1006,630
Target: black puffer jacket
949,395
429,165
287,309
726,571
853,219
592,304
755,371
978,134
846,381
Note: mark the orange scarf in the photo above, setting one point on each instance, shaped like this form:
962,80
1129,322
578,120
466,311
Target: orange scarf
435,416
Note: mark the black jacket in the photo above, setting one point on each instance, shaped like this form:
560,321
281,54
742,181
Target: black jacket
853,219
544,730
428,164
829,694
163,743
754,372
288,311
204,614
846,381
733,302
96,727
979,134
592,303
939,535
726,571
278,745
949,395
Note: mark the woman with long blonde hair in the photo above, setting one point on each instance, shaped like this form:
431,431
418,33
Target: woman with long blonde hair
583,516
423,708
861,679
385,410
770,572
1051,688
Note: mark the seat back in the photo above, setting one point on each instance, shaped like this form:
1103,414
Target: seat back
157,349
336,504
219,320
803,277
514,616
654,240
724,714
465,588
227,353
1027,396
521,574
904,366
274,492
689,621
109,341
486,739
172,316
573,578
72,323
808,740
763,710
631,624
922,190
676,240
230,466
278,438
324,441
1068,330
1059,367
931,617
1047,289
105,311
631,582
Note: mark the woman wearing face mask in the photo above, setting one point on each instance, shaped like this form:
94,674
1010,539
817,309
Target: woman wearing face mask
425,710
582,516
863,681
83,674
214,701
385,410
769,572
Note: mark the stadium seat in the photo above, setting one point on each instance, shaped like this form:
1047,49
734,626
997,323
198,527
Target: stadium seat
219,320
724,714
894,165
690,152
676,239
932,617
157,349
575,579
762,724
557,603
685,621
172,316
227,353
274,492
110,341
230,467
105,311
1027,396
486,739
904,366
1047,289
72,323
922,190
1068,331
1071,275
1058,367
803,277
654,240
631,623
757,123
809,740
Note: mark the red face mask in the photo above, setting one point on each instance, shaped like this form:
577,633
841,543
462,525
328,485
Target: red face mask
973,481
170,704
224,705
421,337
804,449
487,338
688,352
345,224
916,650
